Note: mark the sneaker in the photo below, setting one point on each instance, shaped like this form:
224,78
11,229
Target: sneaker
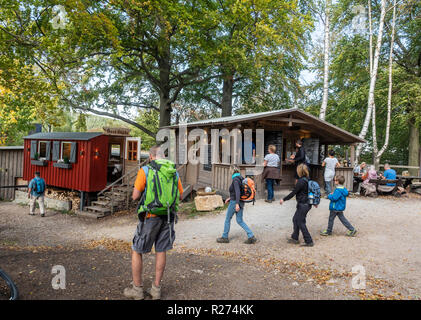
155,292
42,214
310,244
222,240
134,292
351,233
325,233
31,214
251,240
290,240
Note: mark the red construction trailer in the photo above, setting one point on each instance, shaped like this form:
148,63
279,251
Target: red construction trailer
71,160
88,162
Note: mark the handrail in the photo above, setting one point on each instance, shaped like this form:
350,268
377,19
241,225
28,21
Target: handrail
122,177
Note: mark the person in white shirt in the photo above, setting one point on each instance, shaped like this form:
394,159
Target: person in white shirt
271,171
330,163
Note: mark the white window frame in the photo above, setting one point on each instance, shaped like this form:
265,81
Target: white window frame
127,148
111,150
61,149
39,149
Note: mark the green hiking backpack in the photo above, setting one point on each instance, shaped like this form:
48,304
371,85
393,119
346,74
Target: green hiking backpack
161,191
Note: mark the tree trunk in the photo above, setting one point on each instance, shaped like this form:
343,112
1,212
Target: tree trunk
373,78
164,110
414,146
389,93
227,91
323,107
376,161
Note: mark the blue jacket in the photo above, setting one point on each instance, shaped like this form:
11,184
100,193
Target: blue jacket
338,199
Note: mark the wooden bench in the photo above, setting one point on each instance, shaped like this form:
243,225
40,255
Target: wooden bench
383,188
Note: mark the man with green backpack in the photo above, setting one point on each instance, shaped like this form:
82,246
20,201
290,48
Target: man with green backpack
159,189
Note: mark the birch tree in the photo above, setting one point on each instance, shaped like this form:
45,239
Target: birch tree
376,152
323,107
373,78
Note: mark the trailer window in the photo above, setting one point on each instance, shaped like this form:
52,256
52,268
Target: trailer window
42,149
132,150
115,152
65,150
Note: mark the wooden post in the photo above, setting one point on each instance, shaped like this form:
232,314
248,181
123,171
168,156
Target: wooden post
82,200
346,156
353,155
419,163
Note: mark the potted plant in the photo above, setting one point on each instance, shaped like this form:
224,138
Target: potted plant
37,161
64,164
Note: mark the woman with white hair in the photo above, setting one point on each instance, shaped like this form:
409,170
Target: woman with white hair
369,189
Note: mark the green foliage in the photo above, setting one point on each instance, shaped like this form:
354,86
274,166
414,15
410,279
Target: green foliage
149,119
349,76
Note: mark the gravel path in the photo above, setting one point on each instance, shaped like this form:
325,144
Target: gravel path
387,244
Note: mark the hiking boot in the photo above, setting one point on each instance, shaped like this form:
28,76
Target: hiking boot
293,241
42,214
325,233
31,214
134,292
251,240
351,233
222,240
270,201
155,292
309,244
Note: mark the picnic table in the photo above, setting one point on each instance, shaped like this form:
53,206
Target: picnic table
382,187
408,181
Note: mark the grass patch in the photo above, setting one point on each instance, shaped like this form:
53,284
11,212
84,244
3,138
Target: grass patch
8,243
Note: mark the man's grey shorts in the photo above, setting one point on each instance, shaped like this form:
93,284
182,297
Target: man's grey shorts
156,230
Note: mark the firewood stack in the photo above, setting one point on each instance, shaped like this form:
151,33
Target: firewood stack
66,195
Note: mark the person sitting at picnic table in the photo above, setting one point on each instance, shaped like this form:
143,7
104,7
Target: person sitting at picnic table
389,174
369,189
359,171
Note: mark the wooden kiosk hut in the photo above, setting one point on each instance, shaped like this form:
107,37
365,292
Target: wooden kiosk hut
281,128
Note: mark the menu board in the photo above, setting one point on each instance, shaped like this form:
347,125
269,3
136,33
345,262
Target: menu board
311,148
275,138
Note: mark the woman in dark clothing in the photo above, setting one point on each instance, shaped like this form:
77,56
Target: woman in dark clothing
236,206
299,220
299,157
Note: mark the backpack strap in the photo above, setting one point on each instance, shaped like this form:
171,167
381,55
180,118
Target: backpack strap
143,196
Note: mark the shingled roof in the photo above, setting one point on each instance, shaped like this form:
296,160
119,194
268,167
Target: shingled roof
83,136
324,126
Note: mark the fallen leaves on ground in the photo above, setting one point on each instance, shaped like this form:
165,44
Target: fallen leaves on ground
110,244
304,272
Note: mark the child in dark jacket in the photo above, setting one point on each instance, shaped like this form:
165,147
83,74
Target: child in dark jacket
337,207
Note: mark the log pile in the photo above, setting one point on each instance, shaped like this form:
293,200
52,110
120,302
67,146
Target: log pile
66,195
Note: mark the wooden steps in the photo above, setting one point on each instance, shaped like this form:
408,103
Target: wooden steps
90,214
186,191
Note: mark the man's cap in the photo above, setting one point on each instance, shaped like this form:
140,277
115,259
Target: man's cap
37,173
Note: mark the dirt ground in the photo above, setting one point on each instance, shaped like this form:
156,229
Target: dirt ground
97,259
